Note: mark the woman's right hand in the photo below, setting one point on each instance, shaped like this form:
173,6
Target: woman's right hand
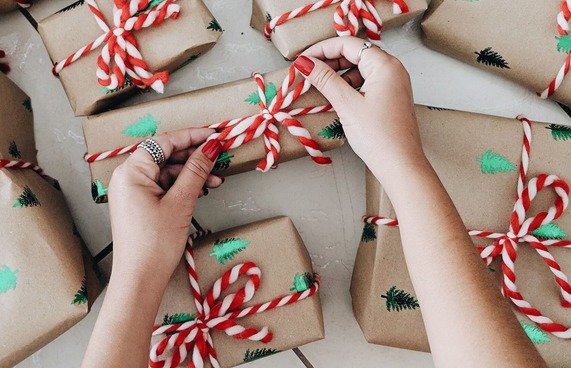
379,120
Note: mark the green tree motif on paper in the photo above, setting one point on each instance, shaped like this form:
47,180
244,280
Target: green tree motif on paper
81,295
271,92
145,126
72,6
333,131
223,162
491,269
564,44
434,108
491,163
127,83
214,26
302,282
535,334
28,104
8,279
98,191
225,250
255,354
369,233
172,319
27,199
190,60
13,150
489,57
398,300
268,17
560,132
549,231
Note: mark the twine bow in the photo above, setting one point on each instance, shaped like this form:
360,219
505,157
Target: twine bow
346,17
521,228
236,132
213,313
120,56
563,18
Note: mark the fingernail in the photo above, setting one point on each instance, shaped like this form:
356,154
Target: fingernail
304,64
212,149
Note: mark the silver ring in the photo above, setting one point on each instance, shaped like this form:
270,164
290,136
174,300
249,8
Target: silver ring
154,150
366,45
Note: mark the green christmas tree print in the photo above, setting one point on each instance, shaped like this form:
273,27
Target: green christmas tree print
549,231
333,131
491,163
27,199
223,162
98,191
369,233
8,279
490,269
489,57
127,83
27,104
302,282
81,295
535,334
227,249
398,300
190,60
14,151
434,108
72,6
268,18
145,126
172,319
271,92
214,26
252,355
564,44
560,132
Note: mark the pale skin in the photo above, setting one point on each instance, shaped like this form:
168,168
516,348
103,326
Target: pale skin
470,325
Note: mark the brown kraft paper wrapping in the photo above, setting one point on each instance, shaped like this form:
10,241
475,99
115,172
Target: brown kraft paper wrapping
114,129
453,141
163,47
297,34
463,29
47,280
277,249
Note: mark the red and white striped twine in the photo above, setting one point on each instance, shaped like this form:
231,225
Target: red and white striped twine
563,29
236,132
9,164
120,54
521,231
346,17
211,313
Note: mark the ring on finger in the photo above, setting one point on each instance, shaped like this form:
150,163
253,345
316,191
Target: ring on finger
366,45
153,148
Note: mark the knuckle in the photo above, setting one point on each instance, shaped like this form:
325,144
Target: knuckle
198,168
322,77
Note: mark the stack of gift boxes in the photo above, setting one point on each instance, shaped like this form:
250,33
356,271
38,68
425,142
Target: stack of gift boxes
384,300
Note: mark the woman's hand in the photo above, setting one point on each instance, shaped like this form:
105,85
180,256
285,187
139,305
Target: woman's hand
151,206
379,119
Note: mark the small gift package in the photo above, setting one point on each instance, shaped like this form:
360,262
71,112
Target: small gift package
480,172
103,49
293,124
252,293
47,278
7,6
488,34
294,25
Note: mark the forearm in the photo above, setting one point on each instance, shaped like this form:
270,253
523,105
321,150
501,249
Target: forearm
122,334
468,321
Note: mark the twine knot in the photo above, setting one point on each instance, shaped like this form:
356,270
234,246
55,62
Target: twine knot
216,313
120,56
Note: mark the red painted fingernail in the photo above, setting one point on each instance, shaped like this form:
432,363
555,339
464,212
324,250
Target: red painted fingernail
212,149
304,64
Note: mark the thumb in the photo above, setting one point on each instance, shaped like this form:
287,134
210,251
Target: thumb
188,185
335,89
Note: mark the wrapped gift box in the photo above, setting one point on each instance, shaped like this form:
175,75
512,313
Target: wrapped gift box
130,125
276,248
487,34
477,157
297,34
47,278
163,47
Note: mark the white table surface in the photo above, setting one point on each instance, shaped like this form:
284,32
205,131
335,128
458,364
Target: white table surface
325,203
